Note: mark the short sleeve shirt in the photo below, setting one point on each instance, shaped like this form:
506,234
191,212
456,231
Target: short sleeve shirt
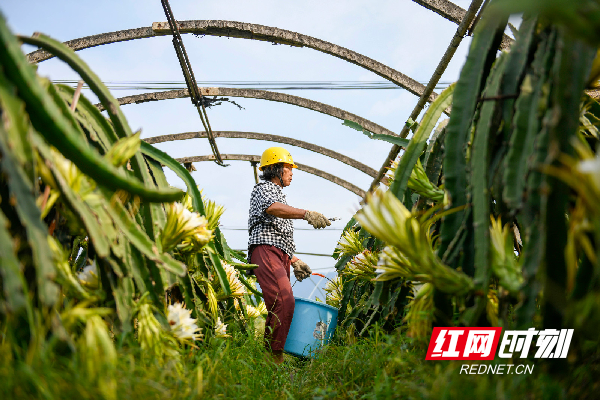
264,228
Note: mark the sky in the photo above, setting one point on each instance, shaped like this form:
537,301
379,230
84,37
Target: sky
399,33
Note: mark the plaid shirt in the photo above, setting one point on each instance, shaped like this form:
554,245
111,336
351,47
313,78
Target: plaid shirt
264,228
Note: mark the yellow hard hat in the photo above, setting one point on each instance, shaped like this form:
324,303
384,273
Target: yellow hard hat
274,155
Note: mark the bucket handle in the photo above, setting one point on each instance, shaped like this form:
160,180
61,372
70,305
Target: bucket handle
317,274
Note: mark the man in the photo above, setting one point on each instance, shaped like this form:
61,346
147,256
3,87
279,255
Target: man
271,244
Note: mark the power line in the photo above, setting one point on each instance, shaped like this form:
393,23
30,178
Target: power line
298,252
314,254
296,229
255,85
322,269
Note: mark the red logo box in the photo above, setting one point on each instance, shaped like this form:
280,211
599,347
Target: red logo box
463,343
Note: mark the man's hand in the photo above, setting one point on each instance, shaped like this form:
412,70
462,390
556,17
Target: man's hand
317,220
301,270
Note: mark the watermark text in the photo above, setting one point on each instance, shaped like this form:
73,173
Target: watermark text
498,369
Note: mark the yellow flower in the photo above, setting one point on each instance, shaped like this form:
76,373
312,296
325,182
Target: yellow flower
590,168
362,265
504,264
213,213
350,243
386,217
262,308
394,264
334,292
184,227
210,294
418,181
587,120
183,326
251,281
212,210
419,316
252,312
221,329
237,287
187,202
409,253
149,330
201,236
89,277
581,173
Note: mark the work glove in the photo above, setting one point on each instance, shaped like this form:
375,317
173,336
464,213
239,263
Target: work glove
301,270
317,220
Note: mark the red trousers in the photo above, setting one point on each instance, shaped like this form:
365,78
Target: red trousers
273,276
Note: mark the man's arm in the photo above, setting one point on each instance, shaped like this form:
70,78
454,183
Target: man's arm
281,210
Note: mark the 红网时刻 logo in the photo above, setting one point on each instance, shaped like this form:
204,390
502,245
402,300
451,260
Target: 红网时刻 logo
482,343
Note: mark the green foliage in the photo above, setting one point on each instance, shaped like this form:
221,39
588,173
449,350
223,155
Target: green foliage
377,366
48,118
89,232
419,141
494,222
387,138
514,219
580,18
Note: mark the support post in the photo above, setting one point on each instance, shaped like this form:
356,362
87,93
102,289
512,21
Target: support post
254,163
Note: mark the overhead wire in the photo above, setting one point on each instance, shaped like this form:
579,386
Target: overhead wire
253,85
228,228
298,252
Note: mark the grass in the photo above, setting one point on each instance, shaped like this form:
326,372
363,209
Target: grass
378,367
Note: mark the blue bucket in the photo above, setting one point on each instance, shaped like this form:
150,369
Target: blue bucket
312,326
